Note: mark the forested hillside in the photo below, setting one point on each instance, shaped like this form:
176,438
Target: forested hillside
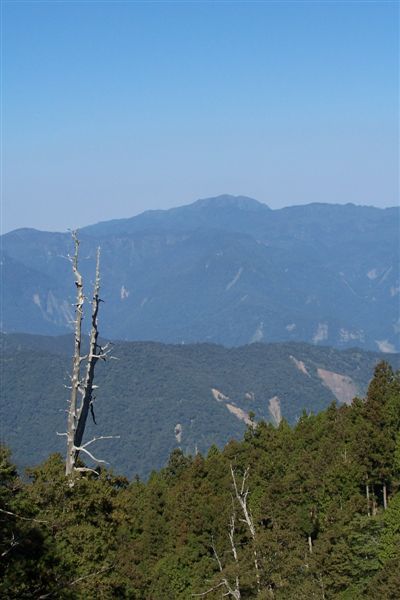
160,397
315,514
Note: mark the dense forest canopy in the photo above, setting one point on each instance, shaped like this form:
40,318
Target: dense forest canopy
322,497
158,397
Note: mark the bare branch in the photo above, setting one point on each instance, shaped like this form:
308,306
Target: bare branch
242,499
230,591
85,470
231,537
98,460
13,542
224,582
101,437
216,556
8,512
245,475
210,590
74,582
248,519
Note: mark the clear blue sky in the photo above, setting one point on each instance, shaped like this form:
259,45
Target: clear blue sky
111,108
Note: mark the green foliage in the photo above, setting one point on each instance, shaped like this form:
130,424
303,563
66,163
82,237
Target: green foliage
107,538
158,397
390,541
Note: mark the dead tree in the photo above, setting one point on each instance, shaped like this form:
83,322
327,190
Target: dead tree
83,367
232,590
241,494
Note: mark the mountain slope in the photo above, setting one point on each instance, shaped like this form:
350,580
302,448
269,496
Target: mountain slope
158,397
224,270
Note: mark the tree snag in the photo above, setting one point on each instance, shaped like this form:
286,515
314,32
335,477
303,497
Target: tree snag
231,590
241,493
82,385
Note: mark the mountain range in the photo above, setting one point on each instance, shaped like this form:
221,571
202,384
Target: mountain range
226,270
159,397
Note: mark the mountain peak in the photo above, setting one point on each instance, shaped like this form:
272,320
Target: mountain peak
230,201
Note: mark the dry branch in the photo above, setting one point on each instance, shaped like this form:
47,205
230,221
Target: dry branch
8,512
230,591
74,582
13,542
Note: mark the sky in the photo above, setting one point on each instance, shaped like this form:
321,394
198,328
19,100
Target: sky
112,108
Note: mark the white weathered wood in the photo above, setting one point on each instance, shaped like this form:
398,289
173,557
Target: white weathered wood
241,497
82,385
230,590
75,376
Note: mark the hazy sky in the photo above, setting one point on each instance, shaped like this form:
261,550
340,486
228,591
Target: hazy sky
111,108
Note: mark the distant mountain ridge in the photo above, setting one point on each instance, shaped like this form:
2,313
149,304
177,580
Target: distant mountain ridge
219,212
225,270
158,397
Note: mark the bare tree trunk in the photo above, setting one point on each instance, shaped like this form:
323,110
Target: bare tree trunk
79,409
374,504
368,501
321,583
310,544
384,496
230,590
92,359
236,590
241,496
76,363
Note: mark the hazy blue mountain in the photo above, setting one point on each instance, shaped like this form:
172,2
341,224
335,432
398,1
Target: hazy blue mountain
225,270
159,397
